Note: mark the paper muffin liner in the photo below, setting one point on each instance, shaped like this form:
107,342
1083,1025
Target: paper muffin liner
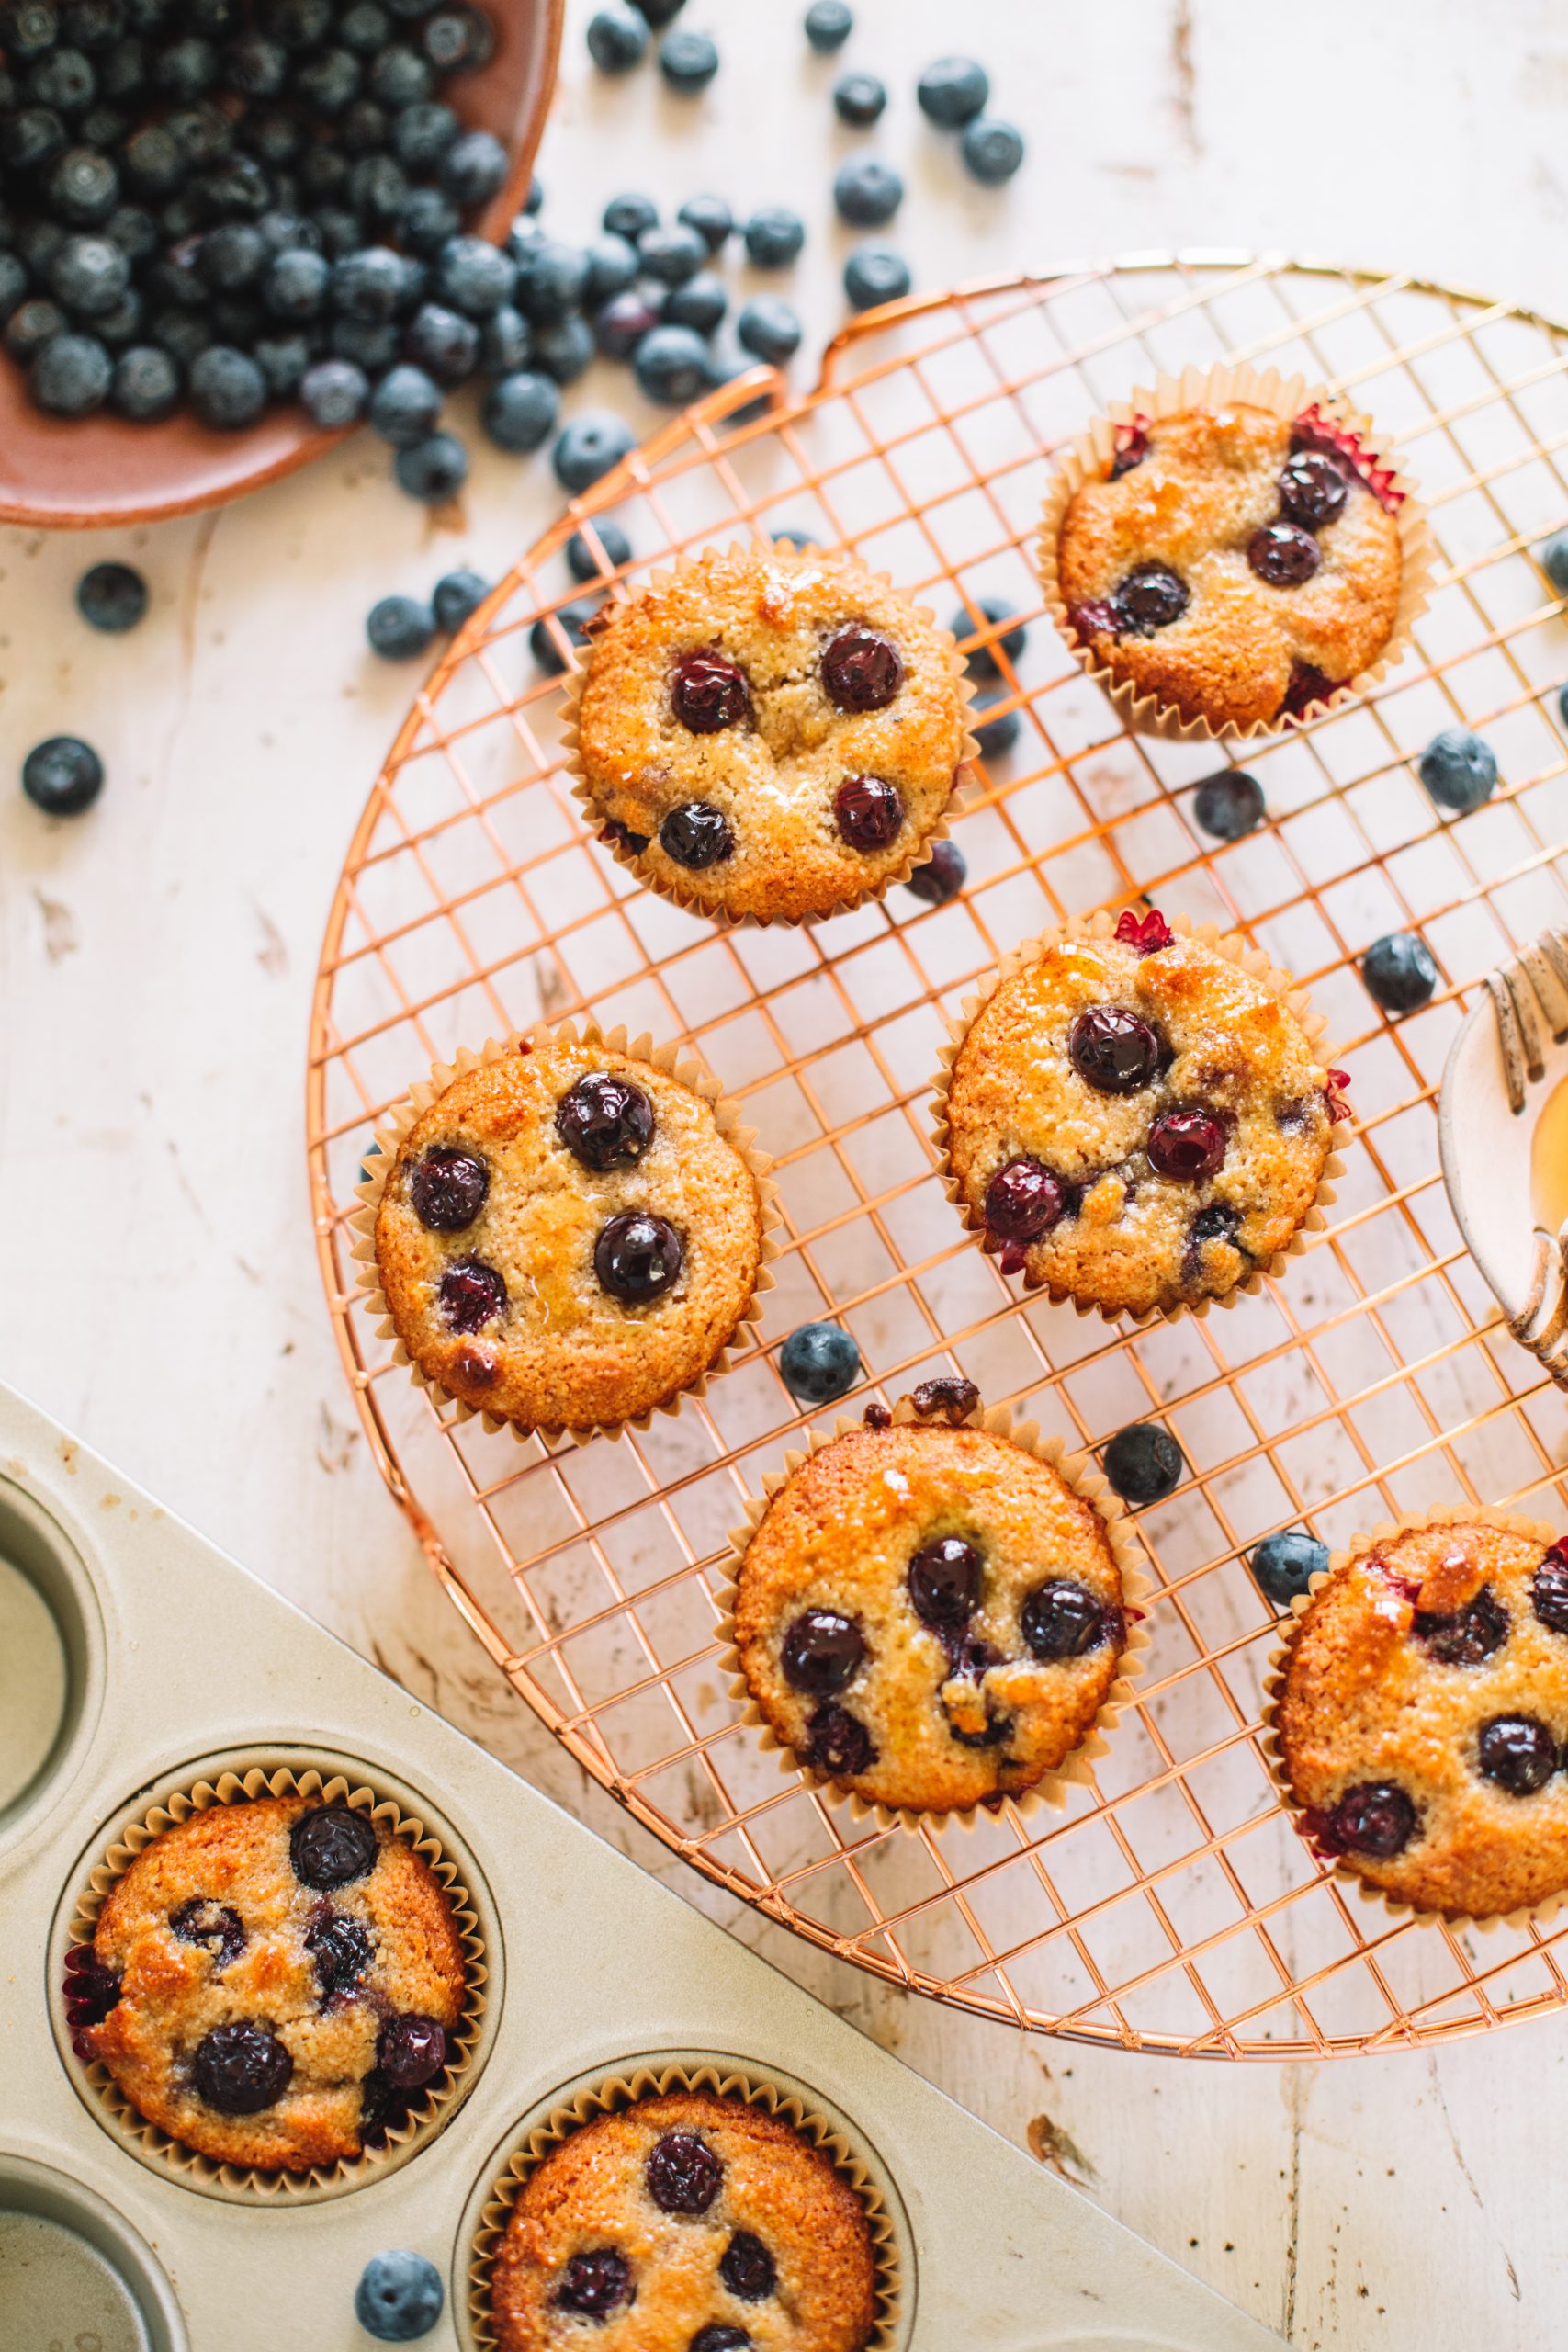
1102,925
724,2079
673,1063
426,2113
1389,1908
967,787
1077,1472
1287,398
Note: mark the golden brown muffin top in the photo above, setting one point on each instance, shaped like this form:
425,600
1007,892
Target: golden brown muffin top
1424,1717
288,1975
1196,572
930,1617
1110,1068
537,1334
810,714
680,2214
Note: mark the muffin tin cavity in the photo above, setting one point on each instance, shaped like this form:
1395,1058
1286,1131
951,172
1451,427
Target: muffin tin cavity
51,1662
428,2078
72,2272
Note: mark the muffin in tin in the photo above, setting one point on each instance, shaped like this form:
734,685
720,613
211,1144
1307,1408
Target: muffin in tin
272,1982
1421,1715
771,733
1237,564
685,2223
929,1616
1137,1119
568,1236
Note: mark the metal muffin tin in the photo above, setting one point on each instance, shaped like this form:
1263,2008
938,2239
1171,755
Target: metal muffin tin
112,1688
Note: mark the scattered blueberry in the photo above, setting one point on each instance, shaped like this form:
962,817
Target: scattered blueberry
688,61
867,192
773,237
585,564
700,304
628,216
505,341
994,736
443,342
817,1363
398,2297
1229,804
829,24
992,150
941,876
767,326
859,98
672,254
874,274
457,597
1284,1565
433,470
952,92
671,364
611,267
400,628
617,39
1144,1462
569,621
590,445
1458,770
405,405
333,393
660,13
62,775
981,660
564,350
1399,971
111,596
620,323
520,410
1554,561
710,216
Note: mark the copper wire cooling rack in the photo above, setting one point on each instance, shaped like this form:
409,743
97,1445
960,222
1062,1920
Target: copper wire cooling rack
1170,1906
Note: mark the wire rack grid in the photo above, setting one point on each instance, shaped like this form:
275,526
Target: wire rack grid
1170,1906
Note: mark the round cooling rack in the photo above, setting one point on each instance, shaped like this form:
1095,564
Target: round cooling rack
1170,1906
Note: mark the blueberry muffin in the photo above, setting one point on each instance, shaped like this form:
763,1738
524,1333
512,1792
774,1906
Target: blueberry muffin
774,733
1422,1716
1237,564
272,1982
929,1616
685,2223
567,1236
1134,1120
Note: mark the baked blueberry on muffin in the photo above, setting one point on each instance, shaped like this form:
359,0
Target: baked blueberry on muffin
928,1615
1422,1716
770,732
1236,564
272,1982
1136,1120
567,1236
685,2223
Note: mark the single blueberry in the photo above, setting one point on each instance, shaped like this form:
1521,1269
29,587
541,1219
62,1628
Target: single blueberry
1458,770
400,628
588,448
283,360
1284,1565
456,41
1314,487
428,220
688,61
699,304
711,217
941,876
994,736
506,342
628,216
552,280
866,192
1554,561
474,168
443,342
564,350
71,375
398,2297
89,276
671,255
472,275
670,365
611,267
859,98
333,392
874,274
458,595
620,324
991,150
470,1295
146,385
1186,1146
448,1188
617,39
111,596
433,470
773,237
31,325
952,92
1399,971
818,1361
227,389
1229,804
421,135
767,326
829,24
404,405
1144,1462
544,637
295,284
587,562
62,775
241,2067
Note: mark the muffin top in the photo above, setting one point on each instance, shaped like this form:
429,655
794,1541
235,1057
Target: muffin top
270,1983
929,1616
566,1238
771,733
1423,1719
1136,1122
1236,564
685,2223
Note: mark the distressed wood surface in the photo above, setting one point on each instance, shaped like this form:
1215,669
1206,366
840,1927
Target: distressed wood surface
159,1289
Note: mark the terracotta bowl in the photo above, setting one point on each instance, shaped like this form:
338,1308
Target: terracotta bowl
81,476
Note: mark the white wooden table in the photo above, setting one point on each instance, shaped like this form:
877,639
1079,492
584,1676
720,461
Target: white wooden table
158,1287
